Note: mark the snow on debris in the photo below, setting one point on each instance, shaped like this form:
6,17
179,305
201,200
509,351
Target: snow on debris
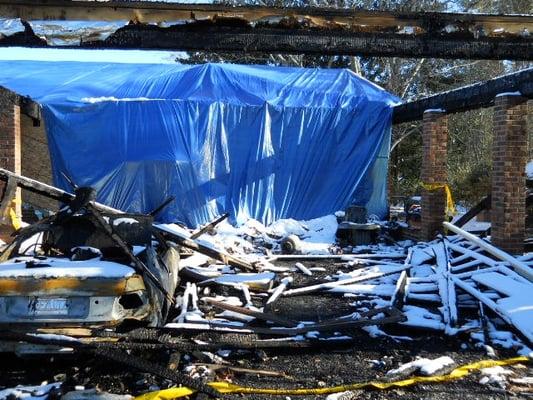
516,93
495,376
426,366
30,392
52,267
317,235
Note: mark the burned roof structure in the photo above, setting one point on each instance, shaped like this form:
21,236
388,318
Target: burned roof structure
302,30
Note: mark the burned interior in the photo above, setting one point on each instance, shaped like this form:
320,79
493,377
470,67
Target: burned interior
82,235
299,200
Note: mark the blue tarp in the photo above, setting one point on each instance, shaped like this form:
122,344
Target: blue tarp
255,141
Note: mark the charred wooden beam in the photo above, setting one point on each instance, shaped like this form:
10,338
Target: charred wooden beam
27,106
157,12
319,41
210,225
484,204
466,98
263,316
315,41
305,30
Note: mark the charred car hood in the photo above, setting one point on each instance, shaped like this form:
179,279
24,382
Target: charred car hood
55,267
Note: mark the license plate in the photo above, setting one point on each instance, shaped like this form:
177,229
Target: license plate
55,306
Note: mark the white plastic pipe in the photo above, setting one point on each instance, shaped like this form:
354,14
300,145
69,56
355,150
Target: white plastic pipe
518,266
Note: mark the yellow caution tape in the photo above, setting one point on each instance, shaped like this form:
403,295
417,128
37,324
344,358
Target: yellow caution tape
11,212
450,206
227,388
15,221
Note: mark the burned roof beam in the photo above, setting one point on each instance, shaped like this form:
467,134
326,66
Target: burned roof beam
466,98
305,30
157,12
27,106
207,36
310,41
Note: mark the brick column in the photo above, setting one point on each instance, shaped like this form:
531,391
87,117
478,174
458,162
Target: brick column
435,141
509,157
10,148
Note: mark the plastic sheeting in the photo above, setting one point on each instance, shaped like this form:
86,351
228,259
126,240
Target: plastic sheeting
256,141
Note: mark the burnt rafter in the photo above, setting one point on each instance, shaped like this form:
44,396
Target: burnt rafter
27,106
478,95
156,12
306,30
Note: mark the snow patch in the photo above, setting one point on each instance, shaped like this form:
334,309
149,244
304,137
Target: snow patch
103,99
517,93
426,366
30,392
495,376
54,267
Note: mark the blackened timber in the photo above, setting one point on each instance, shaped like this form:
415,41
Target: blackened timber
264,316
466,98
203,229
112,354
27,106
484,204
65,197
315,41
156,12
319,41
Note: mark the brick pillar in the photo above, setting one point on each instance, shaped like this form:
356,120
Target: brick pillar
10,148
509,157
435,141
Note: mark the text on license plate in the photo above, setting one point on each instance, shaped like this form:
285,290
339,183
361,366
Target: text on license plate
55,306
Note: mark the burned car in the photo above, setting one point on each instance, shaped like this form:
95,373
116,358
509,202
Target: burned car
84,268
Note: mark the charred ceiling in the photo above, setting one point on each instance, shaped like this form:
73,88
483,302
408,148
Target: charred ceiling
307,30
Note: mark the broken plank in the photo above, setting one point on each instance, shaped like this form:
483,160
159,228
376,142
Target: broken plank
264,372
400,293
203,229
398,298
392,315
251,313
484,204
336,257
201,247
520,267
518,317
10,191
331,285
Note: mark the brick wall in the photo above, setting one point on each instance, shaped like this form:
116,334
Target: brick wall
10,133
435,141
509,156
36,162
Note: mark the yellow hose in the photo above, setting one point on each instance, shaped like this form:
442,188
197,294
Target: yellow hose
227,388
